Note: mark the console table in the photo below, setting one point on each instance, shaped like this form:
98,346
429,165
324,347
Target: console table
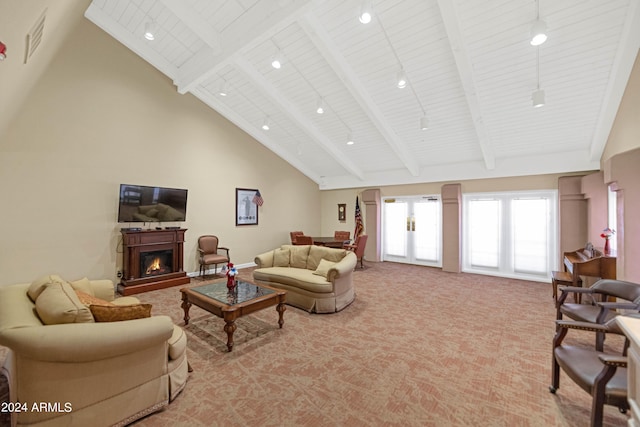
152,259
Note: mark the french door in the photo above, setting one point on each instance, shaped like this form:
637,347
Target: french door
411,230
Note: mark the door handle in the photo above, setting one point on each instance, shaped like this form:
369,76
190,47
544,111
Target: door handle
413,223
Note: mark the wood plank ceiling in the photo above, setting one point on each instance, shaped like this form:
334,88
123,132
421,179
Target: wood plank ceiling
469,66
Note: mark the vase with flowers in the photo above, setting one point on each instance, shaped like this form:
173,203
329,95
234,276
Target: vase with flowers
607,234
231,273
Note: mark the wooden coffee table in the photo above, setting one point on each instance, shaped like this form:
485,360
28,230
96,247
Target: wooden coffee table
246,298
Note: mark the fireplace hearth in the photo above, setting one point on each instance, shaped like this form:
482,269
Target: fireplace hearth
152,259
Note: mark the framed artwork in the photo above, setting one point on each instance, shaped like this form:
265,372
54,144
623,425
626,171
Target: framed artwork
246,208
342,212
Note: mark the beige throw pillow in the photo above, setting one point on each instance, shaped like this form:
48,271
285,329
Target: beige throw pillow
118,313
281,258
58,303
324,267
299,256
37,286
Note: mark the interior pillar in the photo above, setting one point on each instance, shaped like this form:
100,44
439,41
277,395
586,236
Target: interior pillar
451,195
371,201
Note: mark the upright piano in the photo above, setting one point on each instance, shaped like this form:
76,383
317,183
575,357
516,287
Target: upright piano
589,261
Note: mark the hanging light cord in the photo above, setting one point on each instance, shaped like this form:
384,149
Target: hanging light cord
386,36
538,65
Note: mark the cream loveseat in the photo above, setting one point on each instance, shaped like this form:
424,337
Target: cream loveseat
88,372
317,279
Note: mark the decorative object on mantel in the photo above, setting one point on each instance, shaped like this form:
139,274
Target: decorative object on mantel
231,273
607,234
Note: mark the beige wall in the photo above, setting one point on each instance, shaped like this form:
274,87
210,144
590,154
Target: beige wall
101,116
625,135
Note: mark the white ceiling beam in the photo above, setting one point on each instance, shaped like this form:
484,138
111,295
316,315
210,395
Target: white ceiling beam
330,52
261,22
257,134
620,71
199,26
465,70
294,113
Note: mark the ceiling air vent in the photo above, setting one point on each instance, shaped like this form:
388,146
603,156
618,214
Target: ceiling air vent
35,36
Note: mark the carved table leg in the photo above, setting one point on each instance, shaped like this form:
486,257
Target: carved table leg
186,305
281,308
230,328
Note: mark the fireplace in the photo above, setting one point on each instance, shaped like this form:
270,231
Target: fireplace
154,263
152,259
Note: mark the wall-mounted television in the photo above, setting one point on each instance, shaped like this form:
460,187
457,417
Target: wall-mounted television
140,203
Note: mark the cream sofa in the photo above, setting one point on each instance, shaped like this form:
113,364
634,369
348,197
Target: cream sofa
317,279
90,373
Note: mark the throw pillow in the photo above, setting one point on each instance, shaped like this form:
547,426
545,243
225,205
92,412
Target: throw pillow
299,256
58,303
324,267
116,313
83,285
37,286
88,300
281,258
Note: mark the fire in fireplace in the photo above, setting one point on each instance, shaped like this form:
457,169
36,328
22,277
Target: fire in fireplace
156,263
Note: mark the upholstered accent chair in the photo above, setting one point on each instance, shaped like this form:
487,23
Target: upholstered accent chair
600,309
294,236
208,251
358,247
602,375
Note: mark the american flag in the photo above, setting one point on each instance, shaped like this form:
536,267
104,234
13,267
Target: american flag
257,199
359,225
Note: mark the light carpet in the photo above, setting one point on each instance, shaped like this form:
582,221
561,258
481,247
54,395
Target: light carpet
418,347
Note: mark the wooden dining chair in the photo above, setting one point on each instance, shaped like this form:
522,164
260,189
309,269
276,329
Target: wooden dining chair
304,240
294,236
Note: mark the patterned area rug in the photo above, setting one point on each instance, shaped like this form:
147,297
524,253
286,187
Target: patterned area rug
208,334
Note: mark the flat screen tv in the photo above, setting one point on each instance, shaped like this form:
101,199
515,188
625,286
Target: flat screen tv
139,203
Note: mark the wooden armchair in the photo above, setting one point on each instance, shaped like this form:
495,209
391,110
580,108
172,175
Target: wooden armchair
602,375
601,310
342,235
294,236
358,247
304,240
208,253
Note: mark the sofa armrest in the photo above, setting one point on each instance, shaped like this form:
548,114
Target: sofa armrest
343,267
264,260
103,289
85,342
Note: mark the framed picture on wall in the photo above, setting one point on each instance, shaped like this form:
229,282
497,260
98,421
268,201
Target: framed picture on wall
246,208
342,212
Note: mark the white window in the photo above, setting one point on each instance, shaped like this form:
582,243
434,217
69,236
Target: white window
510,234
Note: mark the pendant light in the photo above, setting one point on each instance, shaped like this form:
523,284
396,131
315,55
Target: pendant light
366,13
150,30
537,97
538,30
